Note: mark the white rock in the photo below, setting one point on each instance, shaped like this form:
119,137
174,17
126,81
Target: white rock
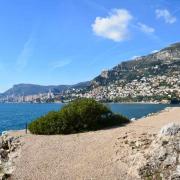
4,133
170,129
178,169
133,119
170,160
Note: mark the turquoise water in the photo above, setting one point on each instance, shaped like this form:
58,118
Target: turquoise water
15,116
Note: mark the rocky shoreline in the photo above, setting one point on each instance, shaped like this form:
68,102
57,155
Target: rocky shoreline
152,156
140,150
9,152
162,159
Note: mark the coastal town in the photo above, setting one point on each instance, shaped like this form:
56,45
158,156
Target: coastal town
152,89
90,90
154,78
35,98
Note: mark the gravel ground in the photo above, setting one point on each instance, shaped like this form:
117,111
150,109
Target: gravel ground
86,156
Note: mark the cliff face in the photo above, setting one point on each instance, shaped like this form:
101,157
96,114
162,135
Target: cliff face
166,61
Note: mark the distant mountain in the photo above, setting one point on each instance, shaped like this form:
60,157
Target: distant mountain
31,89
156,74
164,62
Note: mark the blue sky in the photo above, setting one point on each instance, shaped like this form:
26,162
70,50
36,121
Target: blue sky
67,41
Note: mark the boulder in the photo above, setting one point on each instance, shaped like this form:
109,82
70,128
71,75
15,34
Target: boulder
4,154
9,147
170,129
163,156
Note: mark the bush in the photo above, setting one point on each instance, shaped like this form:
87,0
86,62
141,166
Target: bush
77,116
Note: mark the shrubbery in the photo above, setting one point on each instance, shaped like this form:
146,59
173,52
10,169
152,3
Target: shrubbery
77,116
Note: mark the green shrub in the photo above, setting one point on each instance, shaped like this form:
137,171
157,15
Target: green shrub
77,116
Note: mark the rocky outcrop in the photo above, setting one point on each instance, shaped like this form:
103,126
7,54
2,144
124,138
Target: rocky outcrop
9,151
162,160
150,156
163,62
134,147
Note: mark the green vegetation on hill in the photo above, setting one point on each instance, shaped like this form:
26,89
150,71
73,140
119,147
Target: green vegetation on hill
32,89
164,62
77,116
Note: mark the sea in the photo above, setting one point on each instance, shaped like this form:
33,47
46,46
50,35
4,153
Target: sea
16,116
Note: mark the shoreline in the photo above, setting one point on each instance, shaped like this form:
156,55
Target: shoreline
143,102
131,120
166,109
94,154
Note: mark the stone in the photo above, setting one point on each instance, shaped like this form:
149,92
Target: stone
177,147
138,144
124,137
5,145
175,176
9,146
5,176
170,129
4,154
164,142
163,155
132,143
4,133
144,134
178,168
170,160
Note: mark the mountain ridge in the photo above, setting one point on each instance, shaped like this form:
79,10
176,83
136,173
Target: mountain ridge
165,56
32,89
165,62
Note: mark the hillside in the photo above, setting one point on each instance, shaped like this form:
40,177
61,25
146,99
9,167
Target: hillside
32,89
164,62
151,78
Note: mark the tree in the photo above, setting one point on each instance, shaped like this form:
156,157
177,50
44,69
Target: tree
77,116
